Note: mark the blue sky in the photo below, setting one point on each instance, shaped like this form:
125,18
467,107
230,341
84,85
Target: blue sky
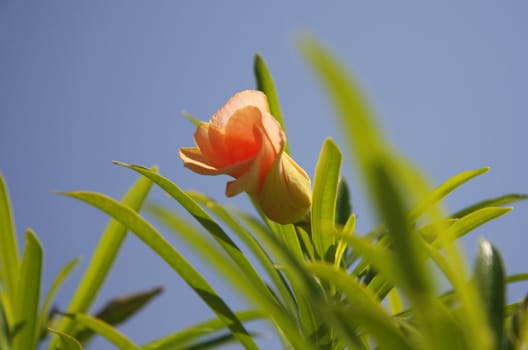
82,84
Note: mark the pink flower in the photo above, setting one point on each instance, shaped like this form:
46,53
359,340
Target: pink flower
243,140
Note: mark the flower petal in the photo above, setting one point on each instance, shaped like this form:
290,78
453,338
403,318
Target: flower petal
195,160
240,137
239,100
252,180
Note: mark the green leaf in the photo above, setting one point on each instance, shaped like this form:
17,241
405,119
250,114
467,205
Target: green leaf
27,294
344,203
365,310
492,202
203,218
119,310
519,277
325,189
152,238
266,85
66,341
9,262
490,280
5,331
103,258
444,189
468,223
238,277
250,241
390,181
57,282
197,332
105,330
518,329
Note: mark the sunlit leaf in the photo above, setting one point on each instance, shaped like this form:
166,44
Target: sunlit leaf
198,331
9,262
66,341
364,311
103,258
444,189
152,238
27,294
492,202
325,189
468,223
57,282
105,330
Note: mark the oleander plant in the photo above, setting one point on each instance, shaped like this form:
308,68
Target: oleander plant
298,261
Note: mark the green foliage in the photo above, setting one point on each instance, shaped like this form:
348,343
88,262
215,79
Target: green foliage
321,284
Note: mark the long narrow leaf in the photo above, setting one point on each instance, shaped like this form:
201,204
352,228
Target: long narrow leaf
326,182
444,189
66,341
103,258
27,294
266,85
261,298
57,282
152,238
251,242
492,202
9,262
365,309
202,217
198,331
107,331
468,223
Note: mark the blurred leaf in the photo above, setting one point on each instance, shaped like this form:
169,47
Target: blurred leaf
249,240
518,328
5,332
9,262
202,217
213,342
59,279
325,189
119,310
393,184
103,258
489,276
468,223
27,294
66,341
152,238
266,85
492,202
197,332
444,189
226,268
519,277
105,330
364,309
343,203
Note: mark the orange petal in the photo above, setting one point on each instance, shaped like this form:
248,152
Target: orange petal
214,155
239,100
240,138
194,160
252,180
